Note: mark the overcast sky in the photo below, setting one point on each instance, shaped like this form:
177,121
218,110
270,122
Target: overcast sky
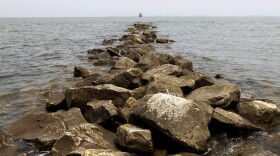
96,8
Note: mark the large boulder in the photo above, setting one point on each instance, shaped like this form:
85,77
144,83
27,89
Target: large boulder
113,51
135,138
105,152
98,111
148,61
124,63
79,97
55,101
159,86
185,64
86,136
178,118
233,119
261,113
167,69
43,129
150,36
201,80
82,71
221,95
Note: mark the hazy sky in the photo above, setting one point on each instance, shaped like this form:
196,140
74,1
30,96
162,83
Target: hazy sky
92,8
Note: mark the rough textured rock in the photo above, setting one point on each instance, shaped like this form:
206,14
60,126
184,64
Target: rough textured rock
184,154
113,51
167,69
72,118
109,41
42,129
201,80
159,86
185,64
148,61
221,95
86,136
124,63
79,97
169,115
263,114
150,36
102,55
98,111
127,79
162,40
82,71
90,81
165,58
55,101
220,76
139,92
5,142
104,152
233,119
95,51
135,138
104,62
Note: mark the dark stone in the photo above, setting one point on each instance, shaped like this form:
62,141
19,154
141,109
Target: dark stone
95,51
220,76
105,152
113,51
56,101
81,71
201,80
162,40
185,64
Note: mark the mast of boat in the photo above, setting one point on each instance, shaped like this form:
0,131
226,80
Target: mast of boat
140,14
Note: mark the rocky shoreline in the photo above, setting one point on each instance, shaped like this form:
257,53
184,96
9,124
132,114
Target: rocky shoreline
149,103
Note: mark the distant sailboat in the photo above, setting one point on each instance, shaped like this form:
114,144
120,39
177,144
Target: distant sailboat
140,15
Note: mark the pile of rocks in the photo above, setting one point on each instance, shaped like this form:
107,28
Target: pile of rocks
149,103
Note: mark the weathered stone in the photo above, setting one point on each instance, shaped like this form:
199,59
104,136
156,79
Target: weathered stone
127,79
185,64
200,79
186,85
82,71
79,97
230,118
55,101
90,81
135,138
98,111
72,118
113,51
124,63
184,154
109,41
5,142
221,95
136,38
42,129
95,51
86,136
133,54
169,115
220,76
124,115
101,55
150,36
167,69
165,58
159,86
141,26
139,92
104,152
130,102
147,61
263,114
158,152
162,40
102,62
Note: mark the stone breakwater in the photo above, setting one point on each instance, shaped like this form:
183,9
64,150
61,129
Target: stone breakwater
149,103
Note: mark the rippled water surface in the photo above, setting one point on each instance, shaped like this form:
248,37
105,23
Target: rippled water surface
37,54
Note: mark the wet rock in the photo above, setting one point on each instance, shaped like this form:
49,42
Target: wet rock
109,41
167,69
72,118
95,51
42,129
90,81
185,64
104,152
169,115
200,79
186,85
124,63
55,101
127,79
82,71
160,86
263,114
162,40
113,51
101,55
150,36
79,97
98,111
230,118
104,62
220,76
79,139
221,95
135,138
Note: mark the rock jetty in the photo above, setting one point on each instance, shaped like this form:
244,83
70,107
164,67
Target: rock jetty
149,103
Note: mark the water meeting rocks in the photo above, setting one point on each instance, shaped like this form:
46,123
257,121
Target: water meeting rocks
201,80
82,71
169,115
221,95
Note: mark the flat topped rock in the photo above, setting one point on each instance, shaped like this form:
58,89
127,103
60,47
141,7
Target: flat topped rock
221,95
42,129
178,118
167,69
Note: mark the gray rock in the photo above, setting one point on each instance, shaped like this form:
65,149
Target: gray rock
104,152
201,80
263,114
167,69
98,111
169,114
233,119
79,97
159,86
55,101
82,71
42,129
185,64
221,95
162,40
135,138
124,63
79,139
